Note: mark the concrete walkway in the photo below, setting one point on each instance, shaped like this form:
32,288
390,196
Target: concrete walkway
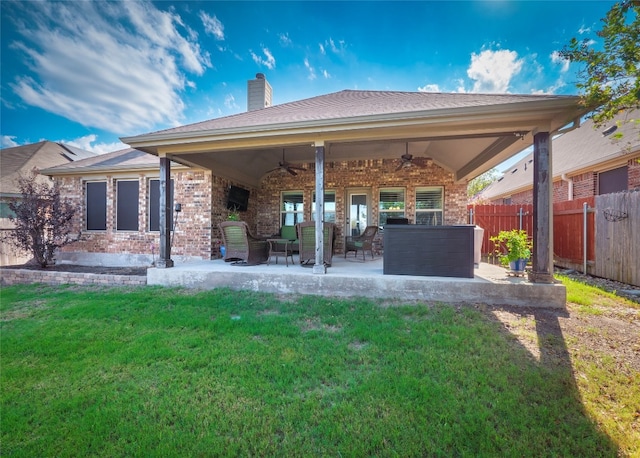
355,278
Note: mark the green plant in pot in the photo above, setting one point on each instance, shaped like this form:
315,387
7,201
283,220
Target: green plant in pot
518,248
233,216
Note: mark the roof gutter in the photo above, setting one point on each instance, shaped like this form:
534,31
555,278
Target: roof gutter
574,125
458,115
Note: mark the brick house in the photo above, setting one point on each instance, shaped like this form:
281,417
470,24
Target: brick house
19,161
369,155
586,162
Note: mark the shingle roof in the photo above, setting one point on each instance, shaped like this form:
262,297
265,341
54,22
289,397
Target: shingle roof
22,159
572,152
353,104
125,159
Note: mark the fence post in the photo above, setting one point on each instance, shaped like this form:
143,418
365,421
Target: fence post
520,218
471,216
584,237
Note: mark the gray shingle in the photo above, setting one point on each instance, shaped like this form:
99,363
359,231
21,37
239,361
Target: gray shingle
353,104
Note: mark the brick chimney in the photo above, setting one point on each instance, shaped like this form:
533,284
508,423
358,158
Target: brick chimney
258,93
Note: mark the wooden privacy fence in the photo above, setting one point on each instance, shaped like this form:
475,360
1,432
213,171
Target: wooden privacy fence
612,227
618,237
496,218
568,233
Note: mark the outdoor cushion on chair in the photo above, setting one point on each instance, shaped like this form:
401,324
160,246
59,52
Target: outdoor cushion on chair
289,233
361,242
241,245
307,239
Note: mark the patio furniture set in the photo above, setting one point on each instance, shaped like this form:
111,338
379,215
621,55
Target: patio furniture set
409,249
243,248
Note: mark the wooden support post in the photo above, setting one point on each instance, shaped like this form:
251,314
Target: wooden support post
542,210
165,212
319,267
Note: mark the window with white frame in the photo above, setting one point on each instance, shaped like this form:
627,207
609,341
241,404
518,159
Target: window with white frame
429,205
154,205
391,204
127,205
95,207
329,207
291,208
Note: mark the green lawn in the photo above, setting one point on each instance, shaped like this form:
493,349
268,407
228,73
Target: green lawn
165,372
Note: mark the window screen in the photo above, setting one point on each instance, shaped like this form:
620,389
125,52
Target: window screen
615,180
127,205
429,206
391,204
329,207
96,206
154,205
291,208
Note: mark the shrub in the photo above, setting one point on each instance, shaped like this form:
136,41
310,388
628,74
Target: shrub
42,219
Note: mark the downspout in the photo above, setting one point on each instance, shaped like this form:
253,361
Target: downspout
570,185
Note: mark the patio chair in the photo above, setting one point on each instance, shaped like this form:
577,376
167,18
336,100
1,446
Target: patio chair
289,233
307,242
361,242
241,245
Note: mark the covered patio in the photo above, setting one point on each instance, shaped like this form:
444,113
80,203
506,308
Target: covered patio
354,278
463,134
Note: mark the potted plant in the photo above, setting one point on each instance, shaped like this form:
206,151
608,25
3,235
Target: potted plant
233,216
518,248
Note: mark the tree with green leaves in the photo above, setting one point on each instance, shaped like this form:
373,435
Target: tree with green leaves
480,182
609,78
42,219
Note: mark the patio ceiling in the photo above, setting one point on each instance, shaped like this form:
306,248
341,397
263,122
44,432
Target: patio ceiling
466,134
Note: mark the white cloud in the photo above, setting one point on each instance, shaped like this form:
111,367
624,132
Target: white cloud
88,143
492,71
326,74
90,68
584,29
429,88
335,48
285,40
212,25
312,72
557,59
230,101
268,61
8,141
331,45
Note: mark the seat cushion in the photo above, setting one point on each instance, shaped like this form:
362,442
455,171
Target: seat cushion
288,232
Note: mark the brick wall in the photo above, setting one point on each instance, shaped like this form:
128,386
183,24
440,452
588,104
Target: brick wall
634,173
204,196
24,276
369,174
585,185
192,237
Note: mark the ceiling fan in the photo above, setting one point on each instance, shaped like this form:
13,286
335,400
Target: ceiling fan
287,166
407,160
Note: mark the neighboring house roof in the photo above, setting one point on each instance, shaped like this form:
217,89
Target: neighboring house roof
578,151
127,159
20,160
465,133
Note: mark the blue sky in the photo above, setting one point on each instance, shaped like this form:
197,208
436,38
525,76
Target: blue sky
87,73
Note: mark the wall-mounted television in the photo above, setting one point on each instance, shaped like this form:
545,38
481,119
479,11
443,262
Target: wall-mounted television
238,199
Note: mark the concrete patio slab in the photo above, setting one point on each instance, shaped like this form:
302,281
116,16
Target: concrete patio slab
355,278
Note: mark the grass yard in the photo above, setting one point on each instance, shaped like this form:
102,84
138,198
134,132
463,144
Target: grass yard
165,372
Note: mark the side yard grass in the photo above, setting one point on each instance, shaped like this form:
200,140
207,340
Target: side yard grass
168,372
